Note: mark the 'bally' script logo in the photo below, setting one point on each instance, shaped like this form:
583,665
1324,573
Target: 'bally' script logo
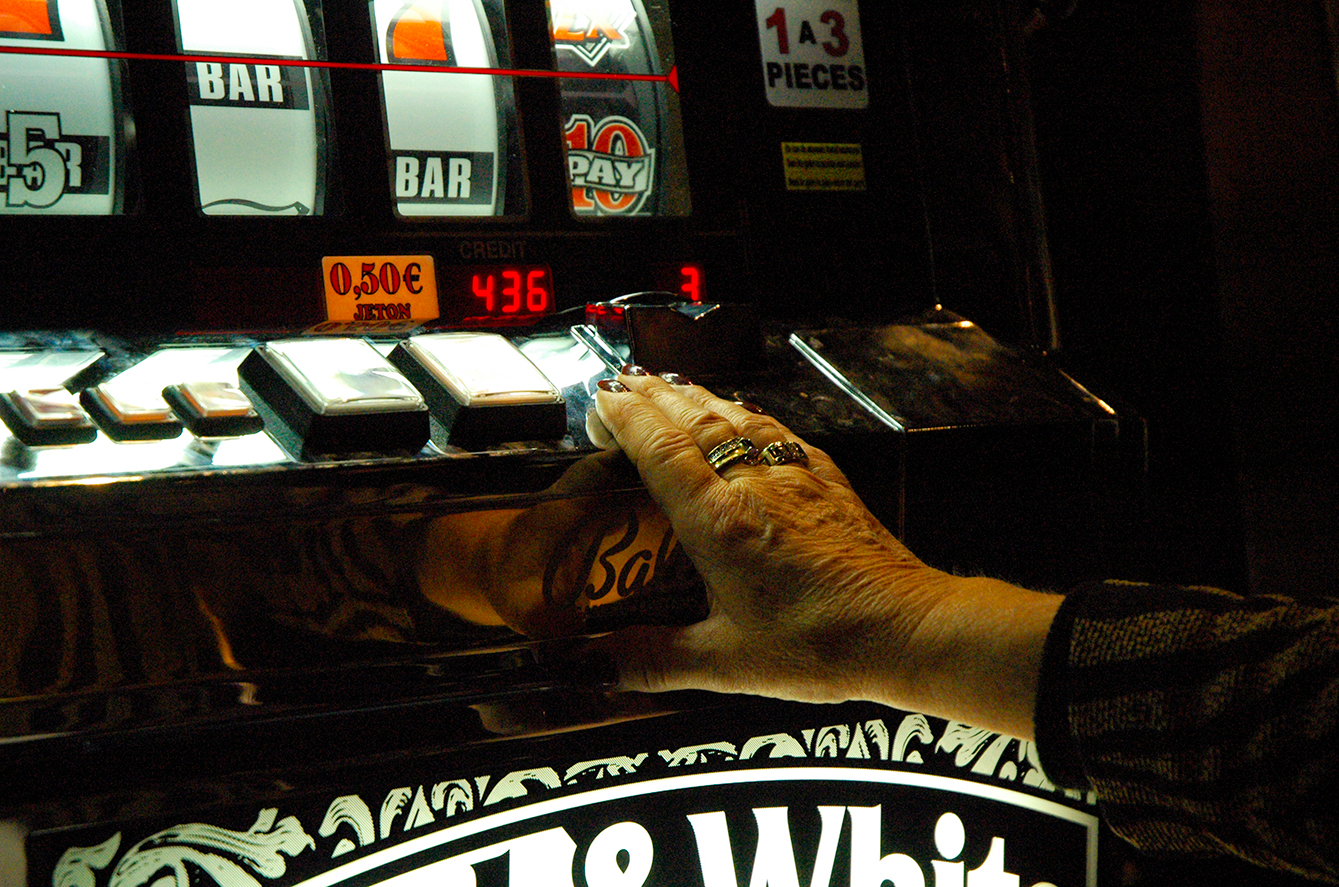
619,562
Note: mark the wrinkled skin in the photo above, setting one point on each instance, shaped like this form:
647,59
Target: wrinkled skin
811,597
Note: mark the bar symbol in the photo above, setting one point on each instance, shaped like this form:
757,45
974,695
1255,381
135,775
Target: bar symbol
446,133
259,131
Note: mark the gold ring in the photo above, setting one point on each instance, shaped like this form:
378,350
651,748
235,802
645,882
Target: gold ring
783,452
734,450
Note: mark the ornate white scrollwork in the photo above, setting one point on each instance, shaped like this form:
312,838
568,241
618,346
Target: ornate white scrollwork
241,859
77,864
352,811
230,858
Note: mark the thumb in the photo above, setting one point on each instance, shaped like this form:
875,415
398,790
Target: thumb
655,659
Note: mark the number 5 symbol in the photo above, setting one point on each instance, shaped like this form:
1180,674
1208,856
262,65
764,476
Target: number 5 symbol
43,167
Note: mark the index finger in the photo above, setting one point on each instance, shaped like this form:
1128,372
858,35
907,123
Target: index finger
670,463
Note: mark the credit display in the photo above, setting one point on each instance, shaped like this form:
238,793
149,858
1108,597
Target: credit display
259,131
62,133
622,138
495,295
448,135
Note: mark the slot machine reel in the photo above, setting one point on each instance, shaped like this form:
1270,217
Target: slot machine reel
63,127
447,135
259,130
620,136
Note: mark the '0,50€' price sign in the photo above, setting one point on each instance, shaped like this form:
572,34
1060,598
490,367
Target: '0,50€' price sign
812,53
380,290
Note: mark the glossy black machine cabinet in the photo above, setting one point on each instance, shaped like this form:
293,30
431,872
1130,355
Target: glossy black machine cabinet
299,515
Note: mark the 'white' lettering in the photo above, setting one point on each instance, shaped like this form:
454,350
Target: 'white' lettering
578,166
239,84
774,858
602,173
630,172
868,868
406,176
603,868
433,184
991,872
458,183
269,85
210,77
623,853
949,840
713,849
774,861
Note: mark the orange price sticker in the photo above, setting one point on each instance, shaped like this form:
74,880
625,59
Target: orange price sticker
377,290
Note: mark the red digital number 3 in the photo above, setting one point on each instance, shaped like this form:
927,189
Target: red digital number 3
512,291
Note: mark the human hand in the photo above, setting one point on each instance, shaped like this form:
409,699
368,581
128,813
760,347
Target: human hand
811,597
798,571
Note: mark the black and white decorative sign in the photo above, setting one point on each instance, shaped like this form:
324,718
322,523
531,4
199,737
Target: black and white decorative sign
912,802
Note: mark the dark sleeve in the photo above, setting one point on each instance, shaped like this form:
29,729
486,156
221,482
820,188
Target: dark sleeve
1203,721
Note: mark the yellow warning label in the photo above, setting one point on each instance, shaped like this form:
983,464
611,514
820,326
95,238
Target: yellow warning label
818,166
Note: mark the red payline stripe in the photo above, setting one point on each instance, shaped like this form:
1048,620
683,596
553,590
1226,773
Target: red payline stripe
306,63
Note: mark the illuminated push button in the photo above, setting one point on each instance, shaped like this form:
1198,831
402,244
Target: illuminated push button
44,369
334,397
129,412
45,417
213,409
481,389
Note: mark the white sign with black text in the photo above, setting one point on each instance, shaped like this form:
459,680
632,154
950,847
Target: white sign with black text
812,53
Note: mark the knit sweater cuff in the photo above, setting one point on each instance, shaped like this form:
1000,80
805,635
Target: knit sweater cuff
1056,744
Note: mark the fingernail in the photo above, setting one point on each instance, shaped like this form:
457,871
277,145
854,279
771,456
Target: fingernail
676,379
631,369
613,386
751,407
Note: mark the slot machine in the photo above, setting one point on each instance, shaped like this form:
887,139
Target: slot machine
305,306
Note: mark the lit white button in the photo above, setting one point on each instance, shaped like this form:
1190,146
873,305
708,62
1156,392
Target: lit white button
216,400
482,369
342,376
130,405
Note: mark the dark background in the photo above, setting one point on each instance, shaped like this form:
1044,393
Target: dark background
1189,168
